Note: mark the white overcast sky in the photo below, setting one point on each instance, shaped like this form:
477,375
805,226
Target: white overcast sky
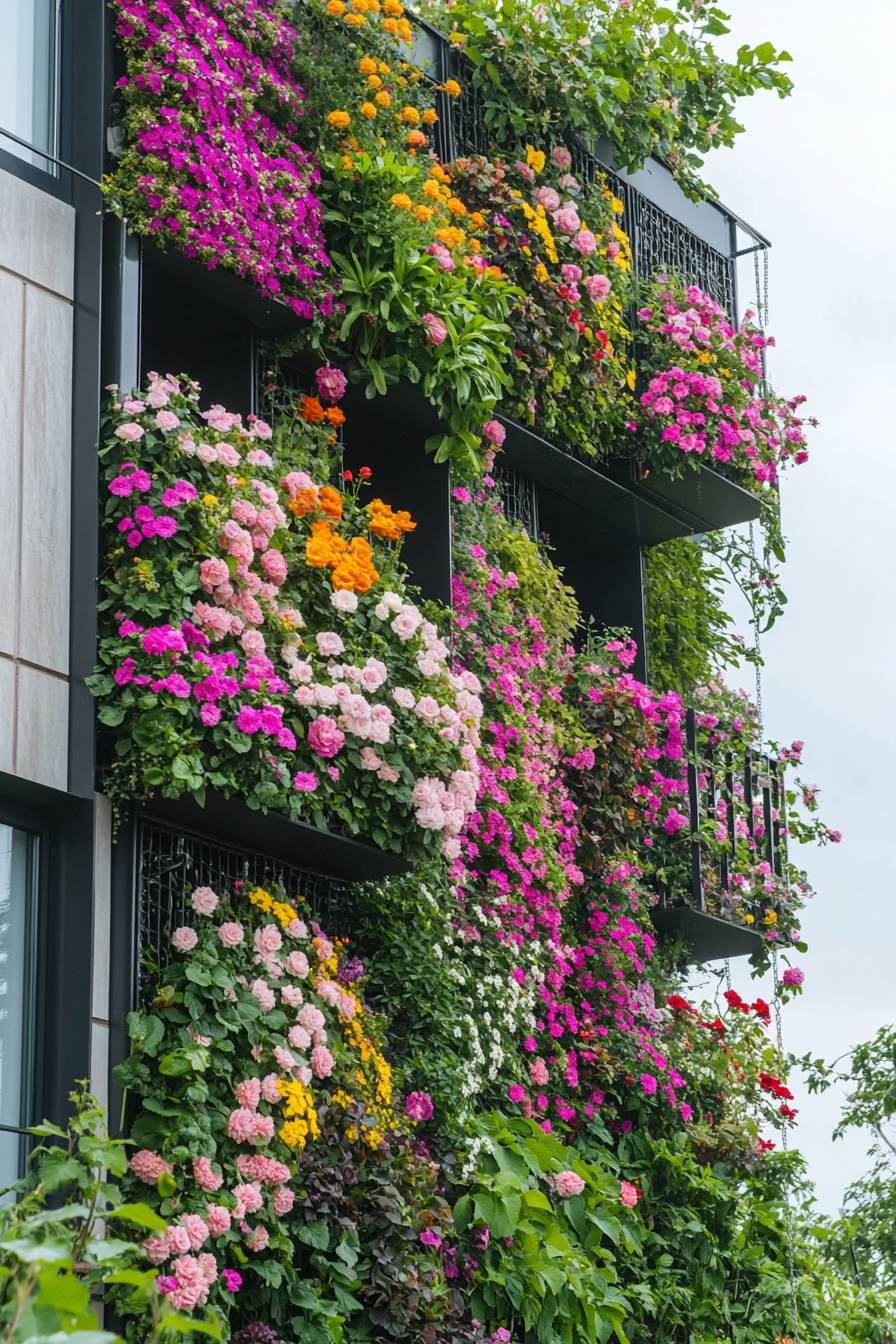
815,173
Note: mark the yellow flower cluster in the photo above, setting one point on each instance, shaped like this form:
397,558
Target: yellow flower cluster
355,13
373,1080
301,1117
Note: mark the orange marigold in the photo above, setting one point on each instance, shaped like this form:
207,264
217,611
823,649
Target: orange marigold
390,25
416,139
423,213
303,502
335,416
355,20
367,66
431,189
452,88
355,571
311,411
324,547
383,98
456,206
368,110
385,522
339,119
400,201
393,8
410,115
430,116
374,82
335,8
329,501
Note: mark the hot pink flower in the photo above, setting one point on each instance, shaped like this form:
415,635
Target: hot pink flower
324,737
494,432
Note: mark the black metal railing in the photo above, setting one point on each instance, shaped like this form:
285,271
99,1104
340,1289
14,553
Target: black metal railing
519,497
752,792
171,863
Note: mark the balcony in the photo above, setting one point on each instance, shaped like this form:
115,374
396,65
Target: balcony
702,905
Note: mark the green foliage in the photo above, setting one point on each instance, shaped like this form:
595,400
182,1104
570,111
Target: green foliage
688,628
646,74
550,1265
54,1249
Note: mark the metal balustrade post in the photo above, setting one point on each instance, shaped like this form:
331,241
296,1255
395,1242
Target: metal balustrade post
698,898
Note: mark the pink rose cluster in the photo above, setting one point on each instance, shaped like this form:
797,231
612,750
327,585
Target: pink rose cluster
695,411
214,164
238,659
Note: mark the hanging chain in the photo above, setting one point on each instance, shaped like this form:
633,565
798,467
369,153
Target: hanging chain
727,974
788,1215
757,649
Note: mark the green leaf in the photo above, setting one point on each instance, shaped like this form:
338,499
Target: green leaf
141,1215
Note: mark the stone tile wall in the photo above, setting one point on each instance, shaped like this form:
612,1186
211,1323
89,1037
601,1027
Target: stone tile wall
37,245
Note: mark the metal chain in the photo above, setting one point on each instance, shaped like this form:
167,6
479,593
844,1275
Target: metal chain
727,973
757,649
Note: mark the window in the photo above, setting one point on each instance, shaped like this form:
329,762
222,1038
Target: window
18,939
28,76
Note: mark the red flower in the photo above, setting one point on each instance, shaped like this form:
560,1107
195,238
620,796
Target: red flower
347,476
365,473
762,1011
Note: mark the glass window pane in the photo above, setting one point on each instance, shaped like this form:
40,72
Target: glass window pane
17,917
28,76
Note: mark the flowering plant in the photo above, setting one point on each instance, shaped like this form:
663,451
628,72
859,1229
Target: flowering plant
705,396
560,244
257,1065
212,164
259,637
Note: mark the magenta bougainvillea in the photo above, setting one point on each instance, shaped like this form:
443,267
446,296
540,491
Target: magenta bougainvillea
212,118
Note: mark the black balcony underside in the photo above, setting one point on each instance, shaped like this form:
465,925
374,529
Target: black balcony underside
646,510
708,937
240,297
294,842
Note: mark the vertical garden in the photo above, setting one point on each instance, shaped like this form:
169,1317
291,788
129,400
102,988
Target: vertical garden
481,1102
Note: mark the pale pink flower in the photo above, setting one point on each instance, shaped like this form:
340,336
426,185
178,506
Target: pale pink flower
598,287
264,994
292,996
204,901
297,965
297,929
348,1006
329,991
178,1239
184,939
148,1166
567,219
130,432
561,157
549,198
270,1088
205,1176
494,433
322,1061
156,1249
403,697
249,1198
585,242
283,1200
257,1239
218,1219
197,1229
268,940
329,644
299,1038
231,934
241,1125
567,1184
248,1093
311,1018
284,1058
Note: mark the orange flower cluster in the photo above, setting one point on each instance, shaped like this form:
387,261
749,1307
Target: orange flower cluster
384,522
351,562
313,413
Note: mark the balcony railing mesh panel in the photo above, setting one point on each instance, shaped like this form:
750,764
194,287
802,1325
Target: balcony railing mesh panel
662,243
172,863
279,387
519,497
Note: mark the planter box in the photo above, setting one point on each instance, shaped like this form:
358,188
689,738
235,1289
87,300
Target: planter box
231,822
708,937
702,499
